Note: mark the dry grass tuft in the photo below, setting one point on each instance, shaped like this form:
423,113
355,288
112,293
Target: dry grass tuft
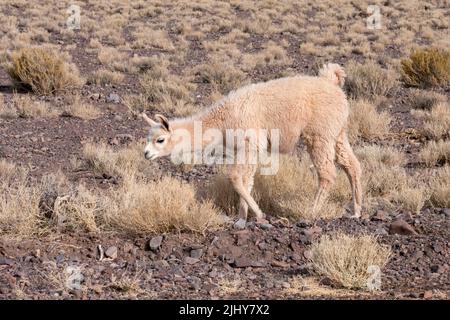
105,161
104,76
163,91
26,107
224,77
369,80
43,70
426,100
345,259
440,188
436,121
19,203
373,155
79,109
282,194
366,122
425,68
139,207
435,153
6,110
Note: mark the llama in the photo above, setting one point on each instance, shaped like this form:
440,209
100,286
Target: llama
312,108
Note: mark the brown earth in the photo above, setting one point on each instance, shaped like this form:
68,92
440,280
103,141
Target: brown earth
252,263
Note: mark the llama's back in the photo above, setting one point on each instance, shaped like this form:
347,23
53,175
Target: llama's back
298,99
299,105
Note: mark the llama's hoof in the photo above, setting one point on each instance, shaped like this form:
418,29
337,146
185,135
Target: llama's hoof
240,224
352,215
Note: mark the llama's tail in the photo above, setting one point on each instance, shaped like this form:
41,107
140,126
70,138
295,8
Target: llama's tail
333,72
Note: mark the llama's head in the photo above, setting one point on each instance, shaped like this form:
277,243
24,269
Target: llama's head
159,139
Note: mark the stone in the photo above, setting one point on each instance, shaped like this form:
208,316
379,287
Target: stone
242,262
161,264
155,243
446,211
307,254
381,232
401,227
5,261
380,215
196,253
308,235
266,226
113,98
428,294
189,260
240,224
280,264
111,252
95,96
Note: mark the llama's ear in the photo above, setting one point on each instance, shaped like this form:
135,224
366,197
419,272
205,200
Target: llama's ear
148,120
164,121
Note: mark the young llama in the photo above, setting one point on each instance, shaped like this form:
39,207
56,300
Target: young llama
312,108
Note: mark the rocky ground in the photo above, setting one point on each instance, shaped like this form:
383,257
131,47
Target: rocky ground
255,263
246,264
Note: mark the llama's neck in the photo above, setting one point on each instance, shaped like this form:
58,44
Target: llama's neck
195,126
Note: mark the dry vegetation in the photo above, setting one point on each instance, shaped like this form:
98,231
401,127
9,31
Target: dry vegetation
427,68
366,123
43,70
369,80
345,259
176,58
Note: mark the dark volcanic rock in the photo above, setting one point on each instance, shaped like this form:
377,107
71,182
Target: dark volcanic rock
401,227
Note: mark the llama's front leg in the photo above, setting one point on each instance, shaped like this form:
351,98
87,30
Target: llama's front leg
243,211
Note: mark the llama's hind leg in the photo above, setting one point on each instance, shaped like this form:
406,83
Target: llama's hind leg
247,180
238,174
322,155
346,158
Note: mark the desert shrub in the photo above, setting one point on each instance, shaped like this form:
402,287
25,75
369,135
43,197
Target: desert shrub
106,161
436,121
138,207
386,183
221,192
26,107
411,198
19,202
425,100
440,188
427,67
372,155
6,110
435,153
369,80
366,122
224,77
164,92
345,259
289,193
104,76
78,109
43,70
272,55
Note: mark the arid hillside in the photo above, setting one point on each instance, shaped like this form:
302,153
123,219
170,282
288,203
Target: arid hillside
83,215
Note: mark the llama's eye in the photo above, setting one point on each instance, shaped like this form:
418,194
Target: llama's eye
160,140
